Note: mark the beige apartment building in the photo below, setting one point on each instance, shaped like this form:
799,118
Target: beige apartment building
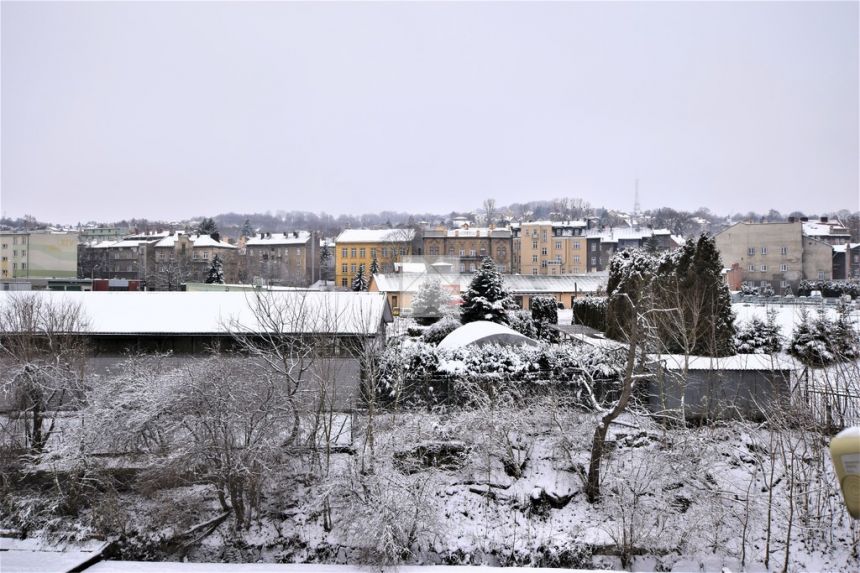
550,248
38,254
774,254
470,246
180,257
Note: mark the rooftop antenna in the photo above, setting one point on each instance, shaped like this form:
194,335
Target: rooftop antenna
636,210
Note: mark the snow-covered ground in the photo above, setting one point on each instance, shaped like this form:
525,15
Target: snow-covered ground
787,315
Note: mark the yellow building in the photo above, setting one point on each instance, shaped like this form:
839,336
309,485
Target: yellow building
38,254
356,247
550,248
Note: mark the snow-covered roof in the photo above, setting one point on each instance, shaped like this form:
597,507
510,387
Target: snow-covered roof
376,236
515,284
484,332
626,233
214,313
828,229
736,362
574,223
197,241
474,232
272,239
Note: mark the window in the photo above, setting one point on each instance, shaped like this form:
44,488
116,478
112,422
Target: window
534,258
558,244
385,252
472,252
343,282
502,252
783,251
23,266
751,268
534,244
751,252
534,271
821,276
764,250
14,253
403,251
593,261
543,264
462,267
764,268
783,284
450,251
472,267
361,253
352,268
343,252
343,268
373,252
576,244
576,259
593,247
558,258
543,237
352,252
763,283
543,251
24,252
501,268
462,252
783,267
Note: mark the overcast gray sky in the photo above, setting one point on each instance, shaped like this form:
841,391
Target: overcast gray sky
170,110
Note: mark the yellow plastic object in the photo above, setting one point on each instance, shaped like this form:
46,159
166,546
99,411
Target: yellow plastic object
845,451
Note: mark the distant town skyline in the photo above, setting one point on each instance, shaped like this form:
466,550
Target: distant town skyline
177,110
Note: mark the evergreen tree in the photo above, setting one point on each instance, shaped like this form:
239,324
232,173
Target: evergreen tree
430,302
374,266
844,338
359,281
545,312
247,229
207,227
486,298
759,337
629,286
809,343
216,272
325,257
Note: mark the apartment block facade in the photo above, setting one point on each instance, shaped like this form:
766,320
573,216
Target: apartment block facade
180,258
284,259
470,246
38,254
778,255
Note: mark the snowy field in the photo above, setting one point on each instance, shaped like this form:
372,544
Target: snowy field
787,315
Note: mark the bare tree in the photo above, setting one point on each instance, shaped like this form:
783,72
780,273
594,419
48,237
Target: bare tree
489,206
43,356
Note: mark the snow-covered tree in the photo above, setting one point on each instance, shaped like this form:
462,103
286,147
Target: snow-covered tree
247,229
207,226
325,257
844,336
216,272
359,281
374,266
486,298
522,322
43,359
809,343
759,337
440,329
431,301
545,312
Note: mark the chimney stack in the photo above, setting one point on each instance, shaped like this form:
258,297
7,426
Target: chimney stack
824,219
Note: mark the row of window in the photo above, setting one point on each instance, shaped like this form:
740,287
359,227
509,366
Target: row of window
752,250
15,253
763,268
362,252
